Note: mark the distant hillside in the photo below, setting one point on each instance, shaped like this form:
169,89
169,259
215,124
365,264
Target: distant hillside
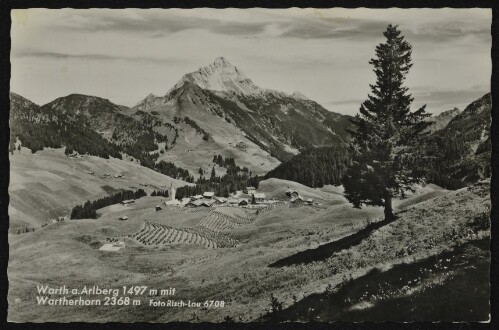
94,126
314,167
276,188
441,120
135,137
46,185
459,154
21,108
37,129
216,110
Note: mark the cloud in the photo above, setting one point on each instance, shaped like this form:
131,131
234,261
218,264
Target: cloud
437,34
337,28
366,29
322,53
436,100
441,100
156,24
356,25
101,57
346,101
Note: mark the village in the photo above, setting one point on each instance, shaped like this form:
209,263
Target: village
208,232
249,198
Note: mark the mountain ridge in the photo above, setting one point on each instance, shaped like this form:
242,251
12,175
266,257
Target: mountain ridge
441,120
280,124
220,75
459,154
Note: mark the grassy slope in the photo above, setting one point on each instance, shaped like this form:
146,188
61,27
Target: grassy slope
450,286
221,134
66,254
48,184
432,227
276,188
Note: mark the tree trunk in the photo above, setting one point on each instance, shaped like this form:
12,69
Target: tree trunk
388,208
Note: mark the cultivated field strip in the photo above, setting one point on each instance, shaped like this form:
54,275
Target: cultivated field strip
207,233
191,209
271,207
220,220
226,218
155,234
217,222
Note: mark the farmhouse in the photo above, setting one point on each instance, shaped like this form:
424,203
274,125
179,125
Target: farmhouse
185,200
197,197
292,193
123,217
208,203
297,200
128,201
221,200
233,201
249,190
158,208
243,202
200,202
208,195
191,204
113,246
259,197
309,201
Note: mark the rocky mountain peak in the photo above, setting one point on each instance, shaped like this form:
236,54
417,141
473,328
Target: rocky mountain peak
300,96
220,75
450,113
222,62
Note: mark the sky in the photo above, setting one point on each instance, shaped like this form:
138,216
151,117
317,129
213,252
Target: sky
125,54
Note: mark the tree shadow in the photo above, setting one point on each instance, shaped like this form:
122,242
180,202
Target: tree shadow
327,250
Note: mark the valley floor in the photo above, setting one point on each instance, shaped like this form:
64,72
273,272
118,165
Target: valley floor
435,229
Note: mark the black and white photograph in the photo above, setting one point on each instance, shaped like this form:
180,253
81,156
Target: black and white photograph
250,165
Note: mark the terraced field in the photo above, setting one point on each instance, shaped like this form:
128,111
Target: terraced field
157,234
210,232
222,219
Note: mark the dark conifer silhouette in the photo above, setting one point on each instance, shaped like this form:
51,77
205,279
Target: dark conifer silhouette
89,209
385,146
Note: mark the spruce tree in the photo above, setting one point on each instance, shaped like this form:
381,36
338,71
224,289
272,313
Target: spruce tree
386,143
